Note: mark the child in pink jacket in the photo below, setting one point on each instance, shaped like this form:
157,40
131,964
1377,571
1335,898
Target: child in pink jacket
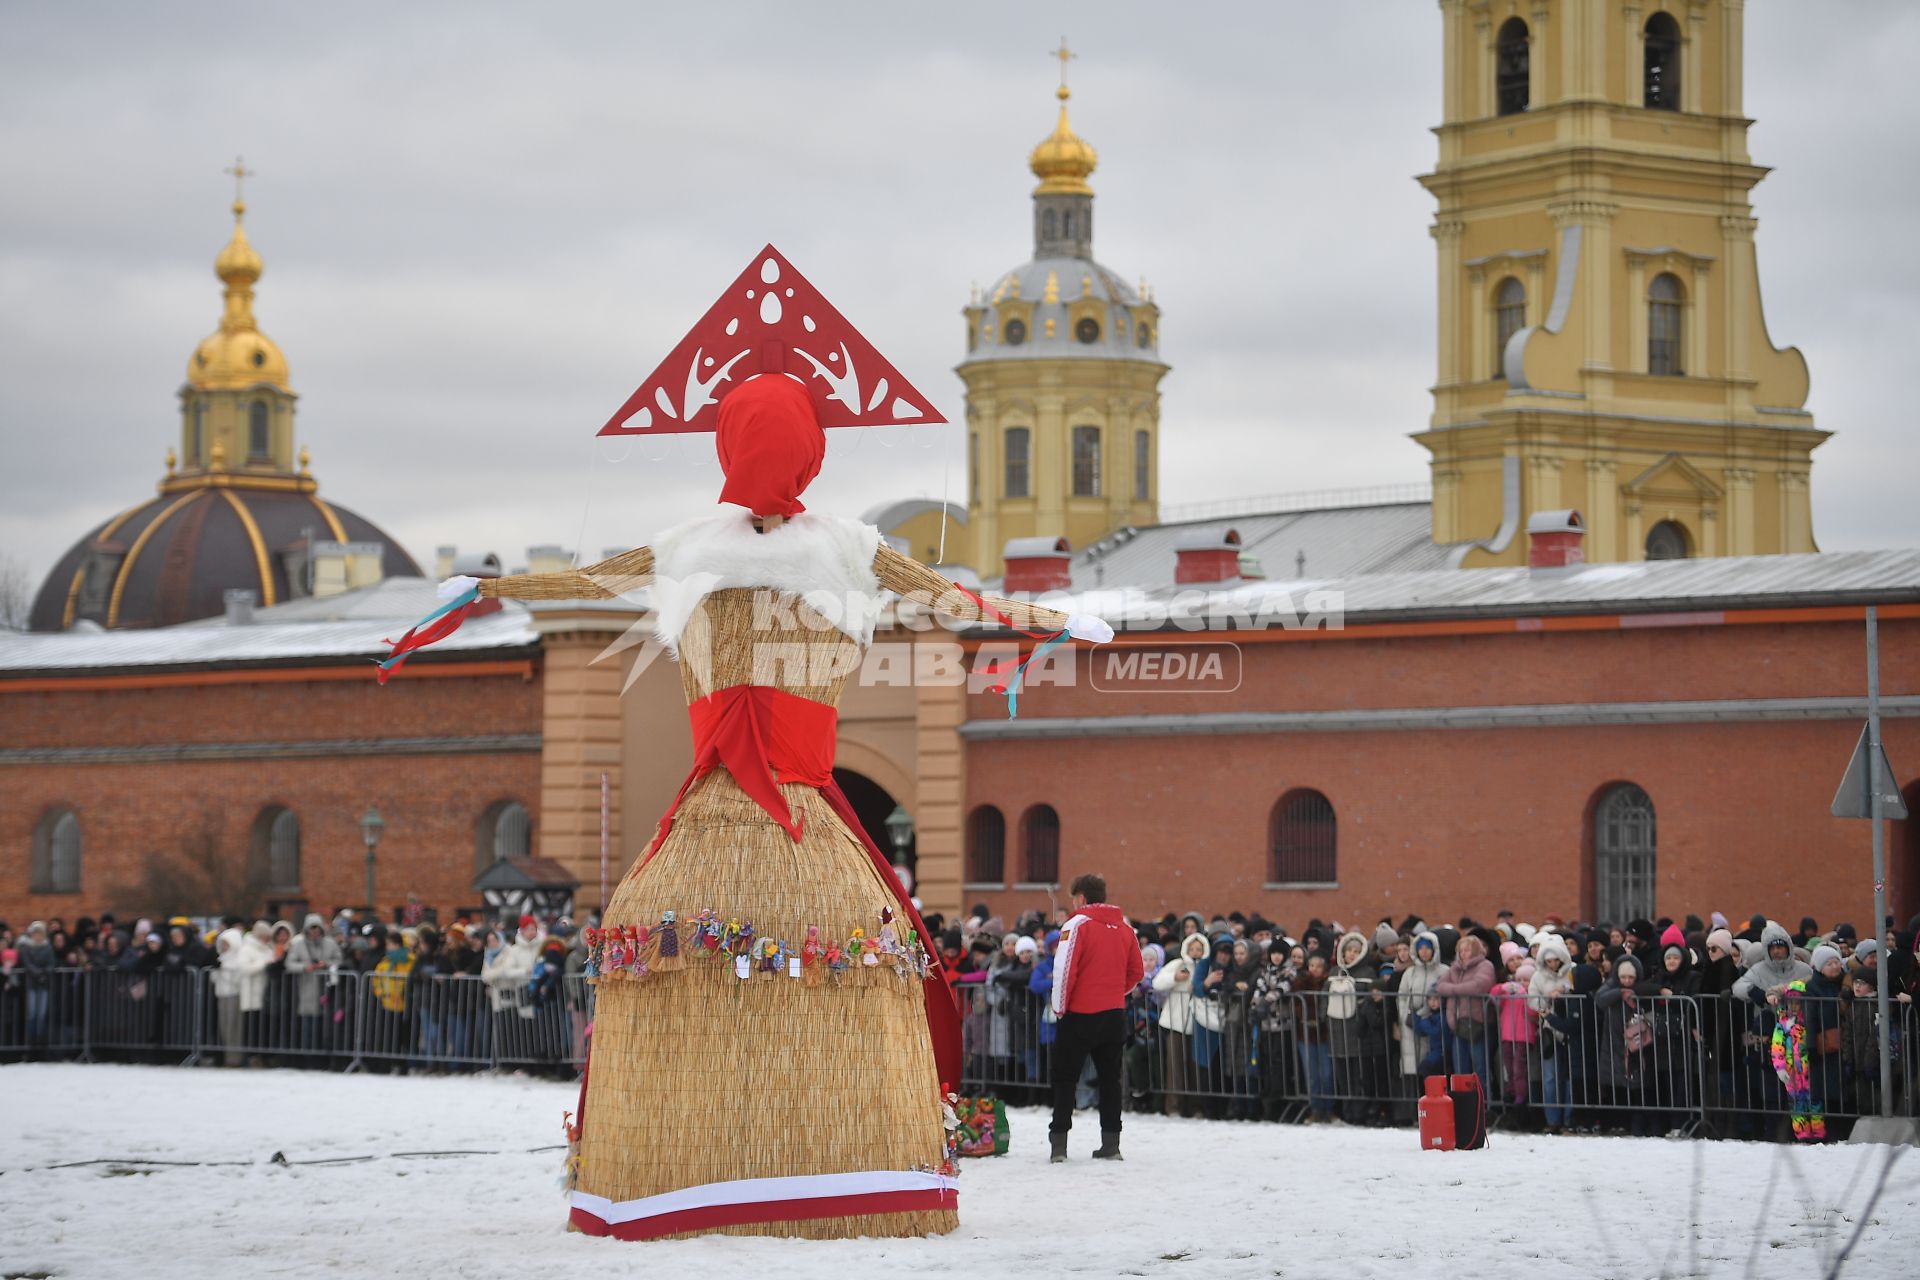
1518,1030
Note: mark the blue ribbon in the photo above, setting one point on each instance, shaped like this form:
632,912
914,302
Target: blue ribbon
1020,673
466,597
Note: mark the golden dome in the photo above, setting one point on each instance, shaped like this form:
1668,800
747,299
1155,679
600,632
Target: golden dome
1063,159
237,354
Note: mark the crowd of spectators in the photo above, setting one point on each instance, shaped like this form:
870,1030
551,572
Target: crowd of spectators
1651,1026
272,993
1571,1026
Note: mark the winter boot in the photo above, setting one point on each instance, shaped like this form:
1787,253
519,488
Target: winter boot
1059,1155
1109,1148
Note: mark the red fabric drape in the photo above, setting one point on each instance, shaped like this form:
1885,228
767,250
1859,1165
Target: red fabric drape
764,737
770,445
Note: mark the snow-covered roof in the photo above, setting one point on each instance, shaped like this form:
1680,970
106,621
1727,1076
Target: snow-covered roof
1657,586
1325,543
353,624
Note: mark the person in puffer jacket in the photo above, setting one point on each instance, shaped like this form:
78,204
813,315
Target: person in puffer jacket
1519,1035
1356,1022
1412,986
1273,1015
1552,976
1174,985
1097,965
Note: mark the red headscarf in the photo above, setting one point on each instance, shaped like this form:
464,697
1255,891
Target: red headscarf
770,445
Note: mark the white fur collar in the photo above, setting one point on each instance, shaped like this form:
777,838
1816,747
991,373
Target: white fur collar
827,561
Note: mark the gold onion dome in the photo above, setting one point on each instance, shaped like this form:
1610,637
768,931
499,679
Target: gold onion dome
1063,159
237,354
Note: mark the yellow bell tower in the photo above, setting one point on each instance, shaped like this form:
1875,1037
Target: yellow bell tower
1063,377
1601,341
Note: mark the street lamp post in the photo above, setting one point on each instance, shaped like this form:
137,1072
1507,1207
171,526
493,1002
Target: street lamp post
899,826
371,825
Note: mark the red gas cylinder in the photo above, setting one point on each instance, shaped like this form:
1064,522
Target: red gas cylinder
1436,1116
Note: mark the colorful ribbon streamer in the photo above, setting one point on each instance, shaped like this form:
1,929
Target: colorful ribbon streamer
436,626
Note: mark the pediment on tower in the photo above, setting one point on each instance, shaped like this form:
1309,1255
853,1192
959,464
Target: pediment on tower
1672,477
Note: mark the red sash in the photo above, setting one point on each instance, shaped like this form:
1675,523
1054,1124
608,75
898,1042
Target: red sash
765,736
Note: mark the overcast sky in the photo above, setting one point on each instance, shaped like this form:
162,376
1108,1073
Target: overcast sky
483,225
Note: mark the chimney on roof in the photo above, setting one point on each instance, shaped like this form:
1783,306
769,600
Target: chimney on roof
443,558
347,566
1554,539
239,602
548,559
1038,564
1208,555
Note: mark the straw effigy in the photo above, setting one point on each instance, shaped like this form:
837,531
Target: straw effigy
699,1076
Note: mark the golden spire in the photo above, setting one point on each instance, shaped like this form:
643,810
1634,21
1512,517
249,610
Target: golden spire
238,265
1063,160
238,355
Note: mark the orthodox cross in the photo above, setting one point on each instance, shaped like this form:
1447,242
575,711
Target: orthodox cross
1063,53
241,173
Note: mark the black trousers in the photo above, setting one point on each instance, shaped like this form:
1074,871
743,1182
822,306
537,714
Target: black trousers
1102,1035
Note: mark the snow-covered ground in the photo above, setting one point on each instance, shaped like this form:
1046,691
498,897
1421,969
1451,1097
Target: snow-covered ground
1193,1198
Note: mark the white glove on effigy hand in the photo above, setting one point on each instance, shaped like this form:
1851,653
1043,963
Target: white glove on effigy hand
1084,627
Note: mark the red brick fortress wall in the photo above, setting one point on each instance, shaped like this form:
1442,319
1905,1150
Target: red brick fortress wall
1445,821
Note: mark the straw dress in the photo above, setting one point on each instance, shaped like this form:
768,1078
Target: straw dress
699,1079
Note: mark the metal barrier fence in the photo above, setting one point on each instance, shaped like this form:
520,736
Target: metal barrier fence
1649,1064
337,1019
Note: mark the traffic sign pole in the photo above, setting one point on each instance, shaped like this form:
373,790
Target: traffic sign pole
1879,858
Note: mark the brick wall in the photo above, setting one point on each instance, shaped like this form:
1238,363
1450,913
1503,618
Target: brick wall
130,810
1441,822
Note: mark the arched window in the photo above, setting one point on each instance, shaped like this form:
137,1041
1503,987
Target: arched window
973,468
1623,855
1087,330
1509,317
1066,224
56,853
1142,465
1303,840
197,442
1668,541
1017,438
1015,332
504,831
1663,63
257,431
1040,846
1086,462
1049,225
1510,70
1142,335
986,846
1663,326
276,846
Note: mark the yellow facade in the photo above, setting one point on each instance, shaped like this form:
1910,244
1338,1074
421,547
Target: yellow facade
1601,340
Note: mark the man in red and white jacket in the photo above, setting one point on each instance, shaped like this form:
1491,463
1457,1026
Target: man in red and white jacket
1095,968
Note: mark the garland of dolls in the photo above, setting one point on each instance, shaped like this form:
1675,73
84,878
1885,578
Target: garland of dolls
633,952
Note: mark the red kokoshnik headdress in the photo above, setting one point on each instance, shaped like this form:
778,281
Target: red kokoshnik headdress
770,321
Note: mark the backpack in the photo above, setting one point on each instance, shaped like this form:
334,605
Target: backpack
1638,1033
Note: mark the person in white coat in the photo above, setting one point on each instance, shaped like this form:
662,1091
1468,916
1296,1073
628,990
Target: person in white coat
506,973
1174,983
250,961
226,995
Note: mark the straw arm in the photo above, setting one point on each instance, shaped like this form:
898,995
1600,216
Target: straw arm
914,580
603,581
